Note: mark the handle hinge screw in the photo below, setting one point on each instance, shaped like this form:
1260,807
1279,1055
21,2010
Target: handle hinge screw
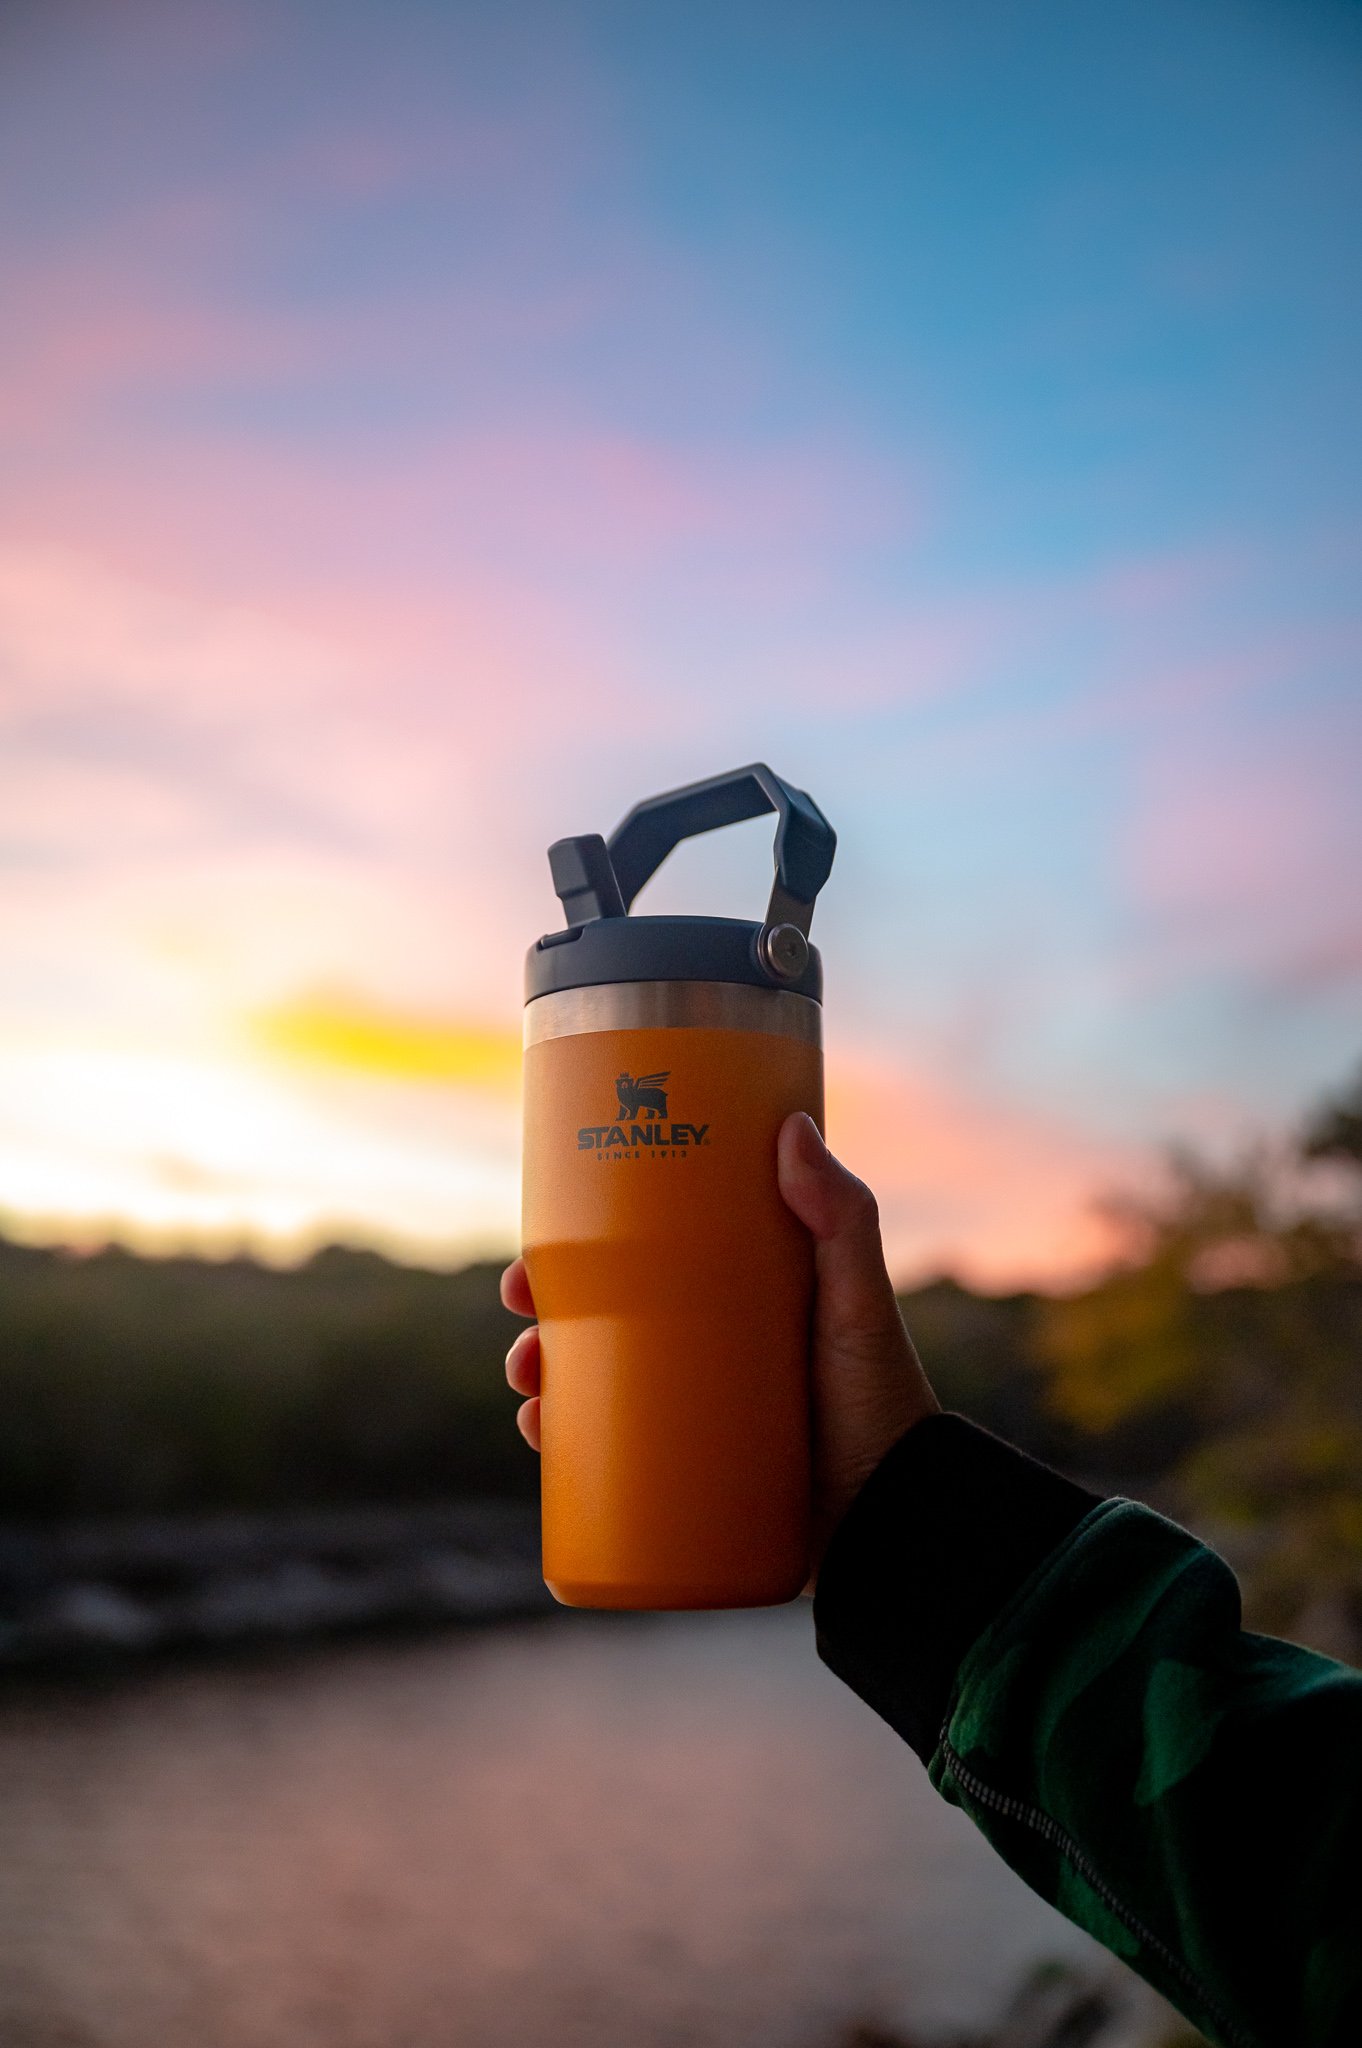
783,951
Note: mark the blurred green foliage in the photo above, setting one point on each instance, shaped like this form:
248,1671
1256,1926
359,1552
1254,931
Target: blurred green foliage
134,1385
1234,1321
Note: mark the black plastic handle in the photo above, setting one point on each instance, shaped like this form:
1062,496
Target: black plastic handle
805,841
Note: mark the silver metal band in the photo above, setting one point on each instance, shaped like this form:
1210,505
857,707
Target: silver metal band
673,1006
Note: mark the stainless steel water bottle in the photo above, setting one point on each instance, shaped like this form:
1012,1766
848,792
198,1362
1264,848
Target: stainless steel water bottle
671,1283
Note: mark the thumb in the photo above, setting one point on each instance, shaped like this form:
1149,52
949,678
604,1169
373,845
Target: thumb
867,1383
856,1306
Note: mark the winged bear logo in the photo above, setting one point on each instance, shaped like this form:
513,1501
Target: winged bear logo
644,1096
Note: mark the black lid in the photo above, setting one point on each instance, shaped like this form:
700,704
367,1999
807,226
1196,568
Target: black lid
597,881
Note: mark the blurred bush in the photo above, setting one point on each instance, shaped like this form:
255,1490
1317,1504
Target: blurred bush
1234,1325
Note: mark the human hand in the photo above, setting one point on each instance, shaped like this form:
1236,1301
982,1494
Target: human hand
868,1386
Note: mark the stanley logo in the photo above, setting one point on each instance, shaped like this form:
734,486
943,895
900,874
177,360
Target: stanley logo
642,1130
646,1094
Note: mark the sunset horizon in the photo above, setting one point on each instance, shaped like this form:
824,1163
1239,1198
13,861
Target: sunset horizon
428,433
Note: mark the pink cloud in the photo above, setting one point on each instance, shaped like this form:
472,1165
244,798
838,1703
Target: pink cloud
1244,848
1211,842
64,810
1331,962
981,1188
171,288
79,334
198,756
1141,685
1149,585
546,495
590,490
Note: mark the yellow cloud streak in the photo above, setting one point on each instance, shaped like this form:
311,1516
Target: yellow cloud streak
341,1031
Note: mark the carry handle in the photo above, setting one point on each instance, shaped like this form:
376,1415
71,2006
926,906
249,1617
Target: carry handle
805,842
598,878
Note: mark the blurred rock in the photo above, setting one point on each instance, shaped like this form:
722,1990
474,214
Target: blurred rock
168,1582
1056,2007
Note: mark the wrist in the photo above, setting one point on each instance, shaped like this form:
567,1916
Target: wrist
838,1493
937,1539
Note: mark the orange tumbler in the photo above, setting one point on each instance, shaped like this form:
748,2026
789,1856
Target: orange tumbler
671,1283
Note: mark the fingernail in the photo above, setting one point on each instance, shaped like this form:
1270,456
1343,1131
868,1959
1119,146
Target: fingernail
809,1149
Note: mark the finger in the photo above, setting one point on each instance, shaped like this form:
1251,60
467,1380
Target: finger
515,1289
823,1195
522,1362
527,1420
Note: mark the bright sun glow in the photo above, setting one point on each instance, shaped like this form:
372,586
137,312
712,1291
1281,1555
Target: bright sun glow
336,1030
164,1150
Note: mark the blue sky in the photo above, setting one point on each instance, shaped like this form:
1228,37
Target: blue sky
429,428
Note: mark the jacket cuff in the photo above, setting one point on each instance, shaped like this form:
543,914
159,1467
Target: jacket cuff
944,1531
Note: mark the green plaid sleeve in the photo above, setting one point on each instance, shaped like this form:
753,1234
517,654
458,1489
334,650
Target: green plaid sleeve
1189,1793
1075,1674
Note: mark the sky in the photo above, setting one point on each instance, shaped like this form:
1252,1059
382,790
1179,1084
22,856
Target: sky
427,429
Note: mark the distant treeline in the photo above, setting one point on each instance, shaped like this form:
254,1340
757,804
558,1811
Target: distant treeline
1217,1365
139,1386
131,1385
